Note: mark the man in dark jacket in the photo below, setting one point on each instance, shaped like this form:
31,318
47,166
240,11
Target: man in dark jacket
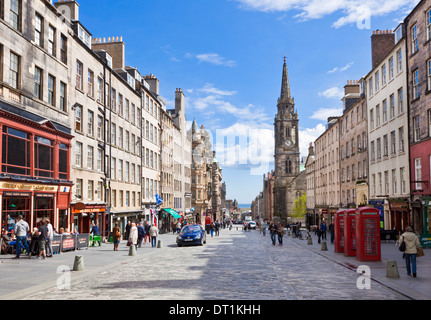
141,234
273,231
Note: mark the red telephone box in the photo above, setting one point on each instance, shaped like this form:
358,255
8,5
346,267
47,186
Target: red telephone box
339,231
349,233
368,247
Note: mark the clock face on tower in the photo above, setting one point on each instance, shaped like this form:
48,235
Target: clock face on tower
288,143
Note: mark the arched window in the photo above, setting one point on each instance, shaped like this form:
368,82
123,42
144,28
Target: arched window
288,166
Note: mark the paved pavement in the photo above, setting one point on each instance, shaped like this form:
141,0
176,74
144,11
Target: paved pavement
236,265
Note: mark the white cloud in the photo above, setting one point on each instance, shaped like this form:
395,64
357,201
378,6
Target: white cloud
212,58
323,114
215,99
247,146
332,93
353,10
347,66
308,135
209,88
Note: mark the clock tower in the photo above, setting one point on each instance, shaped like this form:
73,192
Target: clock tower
286,149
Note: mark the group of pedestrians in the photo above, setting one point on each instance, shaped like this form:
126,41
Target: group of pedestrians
277,232
136,234
42,237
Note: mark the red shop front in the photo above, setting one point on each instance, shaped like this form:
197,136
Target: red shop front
34,171
84,215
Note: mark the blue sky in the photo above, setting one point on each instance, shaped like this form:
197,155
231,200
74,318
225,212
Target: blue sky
227,56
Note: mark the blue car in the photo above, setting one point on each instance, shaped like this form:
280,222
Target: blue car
192,234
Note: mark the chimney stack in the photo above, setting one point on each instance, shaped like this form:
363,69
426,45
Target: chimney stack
382,41
115,47
68,8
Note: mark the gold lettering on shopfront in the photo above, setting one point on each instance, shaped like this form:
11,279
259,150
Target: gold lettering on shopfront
7,185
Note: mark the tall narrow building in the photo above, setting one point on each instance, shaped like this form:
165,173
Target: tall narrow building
289,183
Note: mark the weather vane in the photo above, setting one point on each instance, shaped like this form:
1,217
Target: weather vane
284,57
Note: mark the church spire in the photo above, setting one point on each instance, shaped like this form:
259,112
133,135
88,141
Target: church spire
285,85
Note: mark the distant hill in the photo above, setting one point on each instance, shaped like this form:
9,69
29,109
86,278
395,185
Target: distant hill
244,205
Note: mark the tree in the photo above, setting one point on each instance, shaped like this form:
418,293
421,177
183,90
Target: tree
300,207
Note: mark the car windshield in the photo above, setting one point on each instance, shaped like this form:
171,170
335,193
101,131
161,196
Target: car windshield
191,229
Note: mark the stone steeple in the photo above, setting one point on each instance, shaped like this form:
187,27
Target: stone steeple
285,85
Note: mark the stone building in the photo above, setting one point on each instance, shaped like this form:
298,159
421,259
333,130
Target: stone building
311,193
353,147
418,73
98,124
268,196
388,128
182,155
289,182
207,188
327,171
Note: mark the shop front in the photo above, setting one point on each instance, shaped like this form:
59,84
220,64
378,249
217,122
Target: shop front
423,221
21,199
85,214
399,217
34,169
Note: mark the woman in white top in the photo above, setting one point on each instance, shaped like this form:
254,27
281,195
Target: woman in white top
133,236
154,232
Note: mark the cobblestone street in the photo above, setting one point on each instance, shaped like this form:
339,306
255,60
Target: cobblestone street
236,265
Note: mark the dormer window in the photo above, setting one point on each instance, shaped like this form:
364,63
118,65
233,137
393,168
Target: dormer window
84,36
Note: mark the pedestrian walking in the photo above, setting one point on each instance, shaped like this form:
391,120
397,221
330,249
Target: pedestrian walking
43,236
147,228
323,230
141,234
178,227
217,228
331,231
273,231
95,231
318,233
212,229
128,227
49,252
133,236
411,241
116,236
154,232
280,233
21,228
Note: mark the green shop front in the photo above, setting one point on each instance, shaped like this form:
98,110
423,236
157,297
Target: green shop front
167,217
425,236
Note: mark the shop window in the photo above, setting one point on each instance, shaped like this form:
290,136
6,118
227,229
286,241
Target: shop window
14,207
43,157
63,160
43,208
15,152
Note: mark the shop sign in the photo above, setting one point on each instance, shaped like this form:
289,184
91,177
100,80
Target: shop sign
89,210
23,186
425,240
17,194
44,195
